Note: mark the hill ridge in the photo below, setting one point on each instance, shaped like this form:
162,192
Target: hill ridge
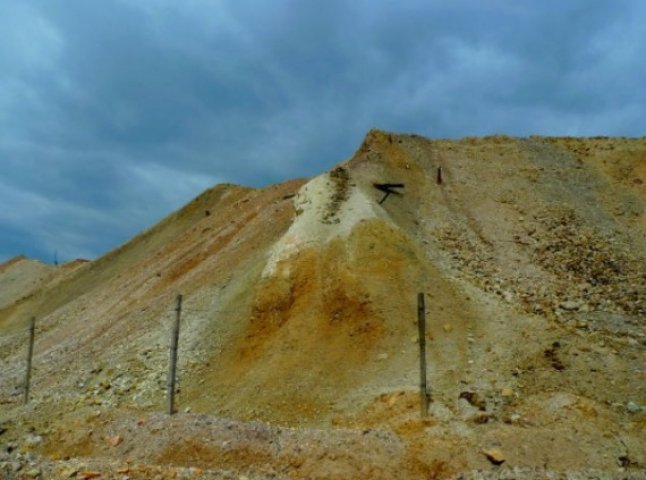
299,311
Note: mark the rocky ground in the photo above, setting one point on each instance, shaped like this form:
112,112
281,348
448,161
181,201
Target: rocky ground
299,346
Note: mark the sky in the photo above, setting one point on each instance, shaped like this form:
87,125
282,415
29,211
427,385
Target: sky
115,113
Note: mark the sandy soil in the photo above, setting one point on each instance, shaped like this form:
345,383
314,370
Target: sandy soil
19,277
299,349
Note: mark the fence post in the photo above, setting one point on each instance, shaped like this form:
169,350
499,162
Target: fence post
30,354
172,363
421,324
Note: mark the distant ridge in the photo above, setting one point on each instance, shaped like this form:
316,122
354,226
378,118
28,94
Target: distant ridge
11,262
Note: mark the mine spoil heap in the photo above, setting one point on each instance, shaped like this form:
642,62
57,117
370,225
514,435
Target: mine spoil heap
298,353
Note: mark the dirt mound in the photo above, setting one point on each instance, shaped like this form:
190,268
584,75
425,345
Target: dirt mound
298,346
20,277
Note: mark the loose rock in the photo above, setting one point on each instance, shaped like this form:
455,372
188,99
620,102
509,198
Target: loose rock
89,475
570,305
632,407
507,392
495,456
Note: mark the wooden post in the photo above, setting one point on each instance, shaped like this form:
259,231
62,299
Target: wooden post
421,324
172,363
30,354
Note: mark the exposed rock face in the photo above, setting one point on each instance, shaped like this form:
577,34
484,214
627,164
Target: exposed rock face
299,310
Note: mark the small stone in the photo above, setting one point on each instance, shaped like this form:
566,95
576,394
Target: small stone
187,410
632,407
447,327
32,440
33,473
480,418
382,356
507,392
474,399
116,440
495,456
68,472
570,305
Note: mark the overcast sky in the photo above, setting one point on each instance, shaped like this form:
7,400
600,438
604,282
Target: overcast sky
113,113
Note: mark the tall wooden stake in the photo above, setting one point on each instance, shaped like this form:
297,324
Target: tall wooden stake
172,363
30,354
421,324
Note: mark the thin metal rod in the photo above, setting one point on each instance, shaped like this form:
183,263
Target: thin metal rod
30,354
421,324
172,363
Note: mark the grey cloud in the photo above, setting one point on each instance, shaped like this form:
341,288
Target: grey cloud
108,106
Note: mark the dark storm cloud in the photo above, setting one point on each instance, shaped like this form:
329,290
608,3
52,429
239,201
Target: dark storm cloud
114,113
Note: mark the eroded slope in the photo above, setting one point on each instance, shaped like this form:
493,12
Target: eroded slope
299,310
